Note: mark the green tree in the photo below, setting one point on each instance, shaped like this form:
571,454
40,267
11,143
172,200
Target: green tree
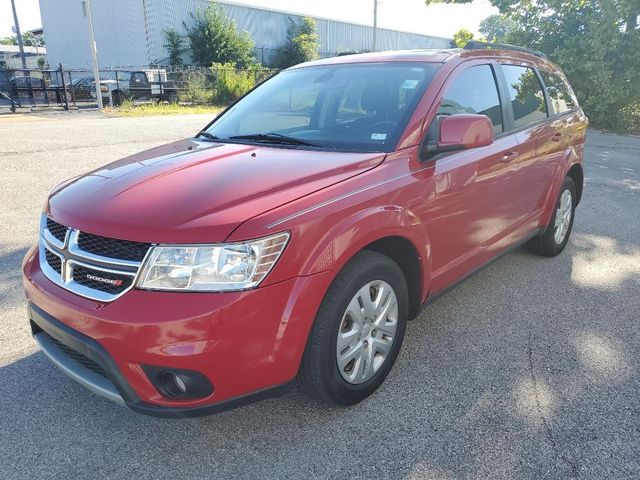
496,28
596,44
28,40
462,37
174,45
214,38
302,43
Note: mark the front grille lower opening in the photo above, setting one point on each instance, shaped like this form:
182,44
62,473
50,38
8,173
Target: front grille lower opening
80,358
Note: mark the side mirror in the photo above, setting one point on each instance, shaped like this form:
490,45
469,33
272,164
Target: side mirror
461,132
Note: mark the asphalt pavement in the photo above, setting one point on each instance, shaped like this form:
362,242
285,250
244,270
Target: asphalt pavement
529,370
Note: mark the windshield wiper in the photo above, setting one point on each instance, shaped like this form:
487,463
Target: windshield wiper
207,135
277,138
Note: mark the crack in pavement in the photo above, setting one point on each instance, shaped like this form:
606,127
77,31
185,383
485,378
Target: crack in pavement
545,423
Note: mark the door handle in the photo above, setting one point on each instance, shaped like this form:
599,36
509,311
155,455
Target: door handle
556,137
507,157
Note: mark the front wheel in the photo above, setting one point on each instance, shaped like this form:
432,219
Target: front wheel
553,240
358,331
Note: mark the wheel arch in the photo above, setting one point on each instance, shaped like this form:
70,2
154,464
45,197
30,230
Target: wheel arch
403,252
392,231
571,166
577,175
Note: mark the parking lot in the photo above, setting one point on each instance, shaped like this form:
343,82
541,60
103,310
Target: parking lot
529,370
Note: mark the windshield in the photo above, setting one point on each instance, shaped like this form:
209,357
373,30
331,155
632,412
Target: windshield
362,107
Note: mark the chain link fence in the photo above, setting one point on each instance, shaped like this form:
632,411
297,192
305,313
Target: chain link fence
75,88
32,87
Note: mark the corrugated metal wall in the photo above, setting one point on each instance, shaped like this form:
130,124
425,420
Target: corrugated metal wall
131,32
119,31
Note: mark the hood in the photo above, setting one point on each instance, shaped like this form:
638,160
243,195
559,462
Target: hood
191,191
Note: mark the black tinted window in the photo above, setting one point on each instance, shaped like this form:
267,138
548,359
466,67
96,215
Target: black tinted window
474,91
525,92
559,93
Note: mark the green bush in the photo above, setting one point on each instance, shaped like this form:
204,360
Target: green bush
174,45
232,83
214,37
302,44
462,37
631,118
199,89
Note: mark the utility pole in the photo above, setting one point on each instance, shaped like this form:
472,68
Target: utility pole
375,23
18,35
94,54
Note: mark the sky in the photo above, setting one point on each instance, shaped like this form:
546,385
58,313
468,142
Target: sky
409,15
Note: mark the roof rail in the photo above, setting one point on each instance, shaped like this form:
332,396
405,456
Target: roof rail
477,45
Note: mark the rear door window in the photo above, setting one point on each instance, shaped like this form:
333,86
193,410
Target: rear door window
474,91
526,95
561,98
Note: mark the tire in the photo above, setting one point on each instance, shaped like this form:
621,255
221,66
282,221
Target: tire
116,97
547,244
320,374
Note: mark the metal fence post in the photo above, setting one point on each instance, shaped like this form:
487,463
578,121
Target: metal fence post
26,74
72,89
43,84
64,89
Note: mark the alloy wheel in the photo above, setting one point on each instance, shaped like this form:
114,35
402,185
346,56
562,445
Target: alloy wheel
563,217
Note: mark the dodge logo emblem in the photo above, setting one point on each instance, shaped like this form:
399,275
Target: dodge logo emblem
115,283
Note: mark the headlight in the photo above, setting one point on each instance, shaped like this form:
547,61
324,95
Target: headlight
212,268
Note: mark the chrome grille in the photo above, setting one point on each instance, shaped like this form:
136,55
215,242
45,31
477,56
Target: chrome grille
89,265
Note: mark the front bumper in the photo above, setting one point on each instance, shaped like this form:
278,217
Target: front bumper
247,344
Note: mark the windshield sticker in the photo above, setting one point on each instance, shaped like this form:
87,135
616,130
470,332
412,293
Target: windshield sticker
409,84
378,136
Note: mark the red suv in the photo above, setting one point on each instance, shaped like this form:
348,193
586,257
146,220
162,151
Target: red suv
295,236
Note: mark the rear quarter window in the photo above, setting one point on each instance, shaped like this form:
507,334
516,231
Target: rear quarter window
526,95
559,93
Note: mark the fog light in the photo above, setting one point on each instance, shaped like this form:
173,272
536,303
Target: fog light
178,383
173,384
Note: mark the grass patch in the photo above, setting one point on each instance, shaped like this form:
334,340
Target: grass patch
129,109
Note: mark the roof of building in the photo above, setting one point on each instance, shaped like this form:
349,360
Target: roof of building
27,50
335,18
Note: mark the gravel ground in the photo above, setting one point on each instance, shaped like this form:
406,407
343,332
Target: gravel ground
528,370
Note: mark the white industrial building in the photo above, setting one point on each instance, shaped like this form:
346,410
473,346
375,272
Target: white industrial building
131,32
10,56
